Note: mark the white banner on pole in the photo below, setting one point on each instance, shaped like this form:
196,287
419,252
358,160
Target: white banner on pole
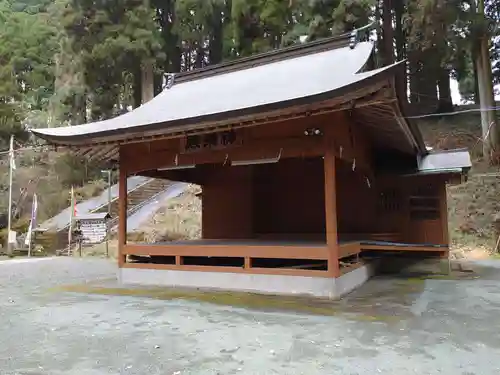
12,237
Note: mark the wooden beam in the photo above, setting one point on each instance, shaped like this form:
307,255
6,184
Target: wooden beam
266,148
252,251
256,270
180,175
122,216
390,247
349,249
331,212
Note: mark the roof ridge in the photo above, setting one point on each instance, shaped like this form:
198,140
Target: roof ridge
293,51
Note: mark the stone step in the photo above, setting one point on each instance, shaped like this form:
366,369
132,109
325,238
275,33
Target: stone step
139,195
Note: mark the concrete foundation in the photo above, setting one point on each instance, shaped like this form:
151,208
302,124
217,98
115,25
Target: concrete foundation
256,283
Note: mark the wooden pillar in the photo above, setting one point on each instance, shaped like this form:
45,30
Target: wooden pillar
122,215
443,208
178,260
331,212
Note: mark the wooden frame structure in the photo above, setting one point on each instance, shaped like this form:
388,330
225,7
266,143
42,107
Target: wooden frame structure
296,178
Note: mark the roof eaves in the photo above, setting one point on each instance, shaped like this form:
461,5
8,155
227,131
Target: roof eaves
408,126
200,122
449,161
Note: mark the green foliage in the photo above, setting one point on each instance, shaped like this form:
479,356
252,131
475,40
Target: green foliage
351,14
11,123
72,61
26,52
112,39
75,171
450,30
493,15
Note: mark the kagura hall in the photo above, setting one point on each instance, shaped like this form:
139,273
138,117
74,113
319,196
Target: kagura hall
307,165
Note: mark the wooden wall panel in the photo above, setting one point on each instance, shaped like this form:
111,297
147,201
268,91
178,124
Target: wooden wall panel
416,223
426,225
289,199
391,206
356,201
227,204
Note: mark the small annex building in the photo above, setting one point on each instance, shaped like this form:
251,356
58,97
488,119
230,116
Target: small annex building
305,160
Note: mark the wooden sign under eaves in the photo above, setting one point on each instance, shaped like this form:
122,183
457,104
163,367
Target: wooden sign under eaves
211,141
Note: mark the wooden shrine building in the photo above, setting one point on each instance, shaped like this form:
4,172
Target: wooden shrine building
305,160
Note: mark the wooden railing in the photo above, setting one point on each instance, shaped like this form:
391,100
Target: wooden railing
248,252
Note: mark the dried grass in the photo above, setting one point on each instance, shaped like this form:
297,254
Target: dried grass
178,219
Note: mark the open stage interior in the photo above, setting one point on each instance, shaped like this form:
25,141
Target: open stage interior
268,215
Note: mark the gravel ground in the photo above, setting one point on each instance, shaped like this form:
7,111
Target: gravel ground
389,326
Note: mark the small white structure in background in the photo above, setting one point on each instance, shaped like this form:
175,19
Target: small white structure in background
93,227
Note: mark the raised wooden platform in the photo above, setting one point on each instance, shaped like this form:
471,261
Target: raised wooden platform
305,258
350,248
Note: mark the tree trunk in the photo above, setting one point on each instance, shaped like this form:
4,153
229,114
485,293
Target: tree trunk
200,57
388,32
486,96
147,82
414,77
216,42
485,127
79,109
137,88
380,36
402,79
445,101
147,74
490,96
158,83
476,80
428,88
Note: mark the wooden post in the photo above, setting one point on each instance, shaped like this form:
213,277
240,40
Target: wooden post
443,208
122,215
178,260
331,212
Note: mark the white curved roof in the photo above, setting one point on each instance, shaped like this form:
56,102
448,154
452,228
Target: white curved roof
250,88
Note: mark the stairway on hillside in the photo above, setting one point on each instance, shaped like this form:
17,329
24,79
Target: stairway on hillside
52,241
138,196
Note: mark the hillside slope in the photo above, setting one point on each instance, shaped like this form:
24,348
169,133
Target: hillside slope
50,175
472,206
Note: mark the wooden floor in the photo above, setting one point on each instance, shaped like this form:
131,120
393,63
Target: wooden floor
275,248
250,242
350,248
